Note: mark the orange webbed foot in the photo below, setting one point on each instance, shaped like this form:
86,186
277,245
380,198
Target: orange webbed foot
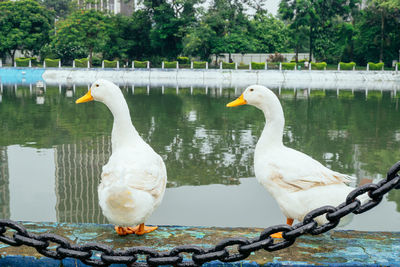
123,230
142,229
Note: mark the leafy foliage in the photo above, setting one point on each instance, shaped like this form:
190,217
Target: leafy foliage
81,63
288,65
110,64
22,61
199,64
318,65
228,65
170,65
257,66
140,64
347,66
24,25
376,66
51,63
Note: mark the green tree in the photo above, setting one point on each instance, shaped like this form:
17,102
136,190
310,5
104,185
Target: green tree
62,8
270,34
24,25
129,37
81,34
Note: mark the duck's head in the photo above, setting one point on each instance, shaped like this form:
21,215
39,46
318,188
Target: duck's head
255,95
101,90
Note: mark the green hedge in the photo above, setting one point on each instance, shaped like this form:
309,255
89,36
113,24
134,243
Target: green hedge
230,66
199,64
243,66
376,66
22,61
140,64
318,65
51,63
288,66
183,60
347,66
96,61
170,65
81,63
110,63
398,66
257,66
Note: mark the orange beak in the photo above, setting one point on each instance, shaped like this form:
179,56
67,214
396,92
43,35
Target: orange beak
86,98
238,102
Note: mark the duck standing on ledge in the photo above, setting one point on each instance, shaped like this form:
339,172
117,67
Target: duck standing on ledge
297,182
134,179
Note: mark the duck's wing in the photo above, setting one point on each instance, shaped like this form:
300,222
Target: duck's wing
297,171
145,174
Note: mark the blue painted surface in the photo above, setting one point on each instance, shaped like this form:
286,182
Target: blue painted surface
21,75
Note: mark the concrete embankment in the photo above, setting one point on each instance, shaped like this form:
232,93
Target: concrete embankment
339,248
384,80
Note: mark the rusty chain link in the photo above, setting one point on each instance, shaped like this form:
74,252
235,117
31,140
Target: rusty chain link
102,255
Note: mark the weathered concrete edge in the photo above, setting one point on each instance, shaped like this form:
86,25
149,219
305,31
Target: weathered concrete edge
337,248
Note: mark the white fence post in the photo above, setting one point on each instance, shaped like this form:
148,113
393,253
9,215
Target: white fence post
118,64
133,64
367,66
88,64
206,65
310,66
396,67
73,63
280,65
235,65
15,63
30,63
59,63
177,64
338,66
44,64
354,67
191,64
250,65
1,63
266,65
220,65
148,64
102,64
162,64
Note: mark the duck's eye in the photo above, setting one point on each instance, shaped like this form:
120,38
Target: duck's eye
251,89
97,85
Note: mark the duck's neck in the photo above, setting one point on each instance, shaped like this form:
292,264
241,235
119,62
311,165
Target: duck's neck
123,132
273,130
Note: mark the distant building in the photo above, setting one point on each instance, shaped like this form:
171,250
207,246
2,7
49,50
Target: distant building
78,170
125,7
4,185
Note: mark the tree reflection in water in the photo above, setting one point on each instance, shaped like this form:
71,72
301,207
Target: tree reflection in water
202,142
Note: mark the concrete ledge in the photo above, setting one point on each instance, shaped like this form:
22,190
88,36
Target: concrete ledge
339,248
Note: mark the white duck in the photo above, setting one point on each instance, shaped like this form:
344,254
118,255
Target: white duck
134,179
297,182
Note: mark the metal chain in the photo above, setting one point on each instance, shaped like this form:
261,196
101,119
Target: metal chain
102,255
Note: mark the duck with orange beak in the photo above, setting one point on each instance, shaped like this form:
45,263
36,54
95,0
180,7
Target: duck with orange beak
134,179
297,182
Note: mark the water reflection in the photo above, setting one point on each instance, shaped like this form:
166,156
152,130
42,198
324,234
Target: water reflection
204,144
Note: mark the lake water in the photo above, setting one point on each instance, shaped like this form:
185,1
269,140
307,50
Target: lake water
52,151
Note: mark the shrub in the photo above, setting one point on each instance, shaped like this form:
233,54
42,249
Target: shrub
347,66
110,64
96,61
257,66
318,65
288,66
183,60
199,64
51,63
376,66
22,61
170,65
81,63
276,58
140,64
230,66
243,66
